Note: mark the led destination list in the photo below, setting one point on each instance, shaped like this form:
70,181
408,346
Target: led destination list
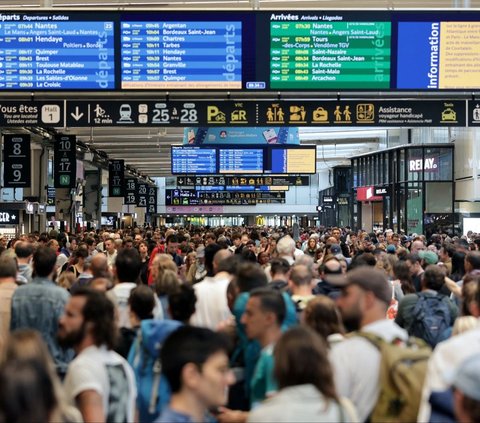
198,55
56,55
323,55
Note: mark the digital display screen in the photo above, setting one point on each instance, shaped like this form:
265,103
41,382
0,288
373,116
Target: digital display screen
193,160
322,55
443,54
240,160
181,55
233,160
235,50
295,160
56,52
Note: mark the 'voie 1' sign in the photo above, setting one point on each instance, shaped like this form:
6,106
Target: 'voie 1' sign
430,164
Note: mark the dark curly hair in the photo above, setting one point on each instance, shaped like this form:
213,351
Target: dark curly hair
99,310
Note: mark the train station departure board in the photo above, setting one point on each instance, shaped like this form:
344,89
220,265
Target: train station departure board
56,52
181,55
235,50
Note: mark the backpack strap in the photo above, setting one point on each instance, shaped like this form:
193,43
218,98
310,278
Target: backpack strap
157,373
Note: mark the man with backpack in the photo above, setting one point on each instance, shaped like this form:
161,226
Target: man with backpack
362,362
428,315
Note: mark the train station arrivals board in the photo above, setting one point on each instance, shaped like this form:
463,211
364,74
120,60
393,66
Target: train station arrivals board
354,50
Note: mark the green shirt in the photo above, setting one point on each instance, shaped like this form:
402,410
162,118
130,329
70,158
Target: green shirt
263,382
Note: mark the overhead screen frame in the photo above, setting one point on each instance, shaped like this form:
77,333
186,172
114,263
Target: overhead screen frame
267,152
254,24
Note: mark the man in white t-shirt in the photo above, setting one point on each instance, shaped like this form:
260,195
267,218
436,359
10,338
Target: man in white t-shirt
99,382
211,307
128,266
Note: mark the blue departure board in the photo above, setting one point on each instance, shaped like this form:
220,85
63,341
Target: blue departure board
52,52
241,160
181,55
193,160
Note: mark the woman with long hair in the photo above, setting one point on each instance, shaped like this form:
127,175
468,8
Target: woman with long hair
30,389
305,381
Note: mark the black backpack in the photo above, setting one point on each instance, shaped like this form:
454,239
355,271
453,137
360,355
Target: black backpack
431,319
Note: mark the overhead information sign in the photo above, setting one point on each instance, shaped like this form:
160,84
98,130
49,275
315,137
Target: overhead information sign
243,181
27,113
130,191
243,160
16,161
190,197
193,160
65,161
236,160
181,55
336,55
235,50
116,180
264,113
45,51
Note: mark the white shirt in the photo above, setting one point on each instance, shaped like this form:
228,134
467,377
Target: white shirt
300,403
107,373
443,364
356,365
111,258
211,308
121,292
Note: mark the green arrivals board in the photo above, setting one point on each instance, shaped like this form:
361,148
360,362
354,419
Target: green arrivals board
340,55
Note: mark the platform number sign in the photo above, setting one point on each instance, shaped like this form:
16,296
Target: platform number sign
116,170
130,191
17,156
65,161
142,193
152,200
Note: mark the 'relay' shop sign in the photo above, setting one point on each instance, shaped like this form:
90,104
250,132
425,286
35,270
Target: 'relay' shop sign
417,165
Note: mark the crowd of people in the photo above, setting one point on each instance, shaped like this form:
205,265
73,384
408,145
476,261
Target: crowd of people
239,324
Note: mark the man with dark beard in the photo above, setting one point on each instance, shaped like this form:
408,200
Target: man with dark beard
99,382
366,295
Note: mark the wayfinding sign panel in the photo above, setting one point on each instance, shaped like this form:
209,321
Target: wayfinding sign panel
130,191
28,113
16,161
65,161
264,113
116,170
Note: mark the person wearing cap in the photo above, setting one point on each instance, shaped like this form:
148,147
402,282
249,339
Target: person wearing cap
391,249
466,392
365,298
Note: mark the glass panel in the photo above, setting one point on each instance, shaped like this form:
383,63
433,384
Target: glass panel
414,209
355,173
414,164
438,164
401,163
438,197
401,206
